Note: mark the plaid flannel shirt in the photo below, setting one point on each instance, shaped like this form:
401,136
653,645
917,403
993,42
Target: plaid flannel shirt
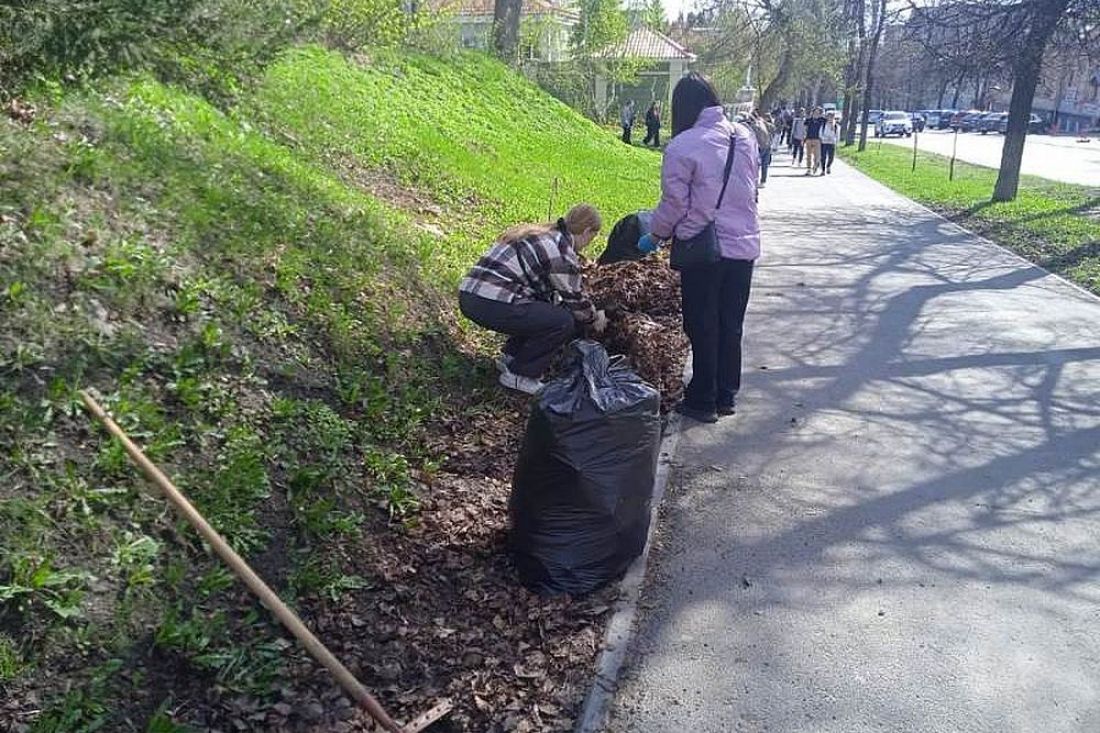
543,267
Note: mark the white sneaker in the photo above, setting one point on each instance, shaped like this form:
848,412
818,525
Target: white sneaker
504,361
520,383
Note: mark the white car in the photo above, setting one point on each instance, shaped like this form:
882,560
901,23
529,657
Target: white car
894,123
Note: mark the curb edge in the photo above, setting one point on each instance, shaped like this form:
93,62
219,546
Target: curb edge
620,629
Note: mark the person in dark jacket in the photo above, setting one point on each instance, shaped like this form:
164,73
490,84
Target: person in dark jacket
529,287
798,136
814,123
626,120
653,124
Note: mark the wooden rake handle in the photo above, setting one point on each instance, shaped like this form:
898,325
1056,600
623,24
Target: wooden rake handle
240,568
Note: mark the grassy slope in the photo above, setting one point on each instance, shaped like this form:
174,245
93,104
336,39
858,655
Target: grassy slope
483,141
1056,225
272,332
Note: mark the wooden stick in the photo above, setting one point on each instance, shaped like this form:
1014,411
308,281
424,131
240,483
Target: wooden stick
241,569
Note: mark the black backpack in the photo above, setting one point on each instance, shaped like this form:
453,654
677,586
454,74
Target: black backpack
622,243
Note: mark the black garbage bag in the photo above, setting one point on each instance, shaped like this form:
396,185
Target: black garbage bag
622,242
581,494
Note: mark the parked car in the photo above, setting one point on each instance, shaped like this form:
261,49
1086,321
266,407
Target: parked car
969,122
958,117
918,121
894,123
872,116
1036,125
992,122
943,119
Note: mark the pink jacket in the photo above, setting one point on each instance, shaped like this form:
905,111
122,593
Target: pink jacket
691,179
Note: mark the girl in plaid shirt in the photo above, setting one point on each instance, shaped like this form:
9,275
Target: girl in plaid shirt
528,286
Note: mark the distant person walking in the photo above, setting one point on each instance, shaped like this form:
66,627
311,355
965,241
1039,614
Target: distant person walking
830,136
626,119
813,140
653,125
714,294
762,128
785,118
798,136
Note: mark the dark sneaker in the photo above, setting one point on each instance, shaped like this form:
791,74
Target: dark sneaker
707,416
726,410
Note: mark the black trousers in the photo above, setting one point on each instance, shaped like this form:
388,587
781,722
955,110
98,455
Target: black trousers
626,134
828,152
714,300
537,329
653,132
796,150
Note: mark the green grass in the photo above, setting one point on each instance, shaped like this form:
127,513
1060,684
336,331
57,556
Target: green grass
267,321
1055,225
478,138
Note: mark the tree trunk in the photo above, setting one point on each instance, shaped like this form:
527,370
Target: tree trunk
767,97
849,89
958,89
943,93
846,112
506,28
859,9
879,20
1025,77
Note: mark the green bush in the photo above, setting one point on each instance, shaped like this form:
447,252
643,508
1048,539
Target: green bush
209,45
63,38
355,24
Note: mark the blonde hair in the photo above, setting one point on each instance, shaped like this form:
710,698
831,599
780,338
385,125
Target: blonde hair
577,220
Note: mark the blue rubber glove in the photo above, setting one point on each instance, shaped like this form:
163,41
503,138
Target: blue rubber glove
648,244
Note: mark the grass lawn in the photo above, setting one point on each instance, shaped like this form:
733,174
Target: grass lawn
1055,225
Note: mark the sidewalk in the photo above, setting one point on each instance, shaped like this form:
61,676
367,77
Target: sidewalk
900,530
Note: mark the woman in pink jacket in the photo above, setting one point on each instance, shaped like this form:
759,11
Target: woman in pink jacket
715,295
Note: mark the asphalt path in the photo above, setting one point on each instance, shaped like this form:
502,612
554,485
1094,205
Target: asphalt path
900,529
1057,158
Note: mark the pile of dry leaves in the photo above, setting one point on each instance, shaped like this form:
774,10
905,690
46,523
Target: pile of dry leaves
642,302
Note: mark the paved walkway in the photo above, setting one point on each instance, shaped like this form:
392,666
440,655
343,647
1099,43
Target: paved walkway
900,530
1059,158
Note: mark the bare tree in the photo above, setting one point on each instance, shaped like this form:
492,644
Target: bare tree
1040,22
878,22
1001,39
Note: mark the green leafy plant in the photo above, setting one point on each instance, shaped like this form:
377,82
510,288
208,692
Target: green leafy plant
11,659
32,582
81,710
136,558
393,482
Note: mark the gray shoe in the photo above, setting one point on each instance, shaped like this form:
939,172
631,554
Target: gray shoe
503,362
520,383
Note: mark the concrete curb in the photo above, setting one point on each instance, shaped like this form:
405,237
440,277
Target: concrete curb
620,629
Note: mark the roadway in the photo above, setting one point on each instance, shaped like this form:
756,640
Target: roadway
1057,158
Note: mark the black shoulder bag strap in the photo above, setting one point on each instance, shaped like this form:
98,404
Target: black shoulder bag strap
726,174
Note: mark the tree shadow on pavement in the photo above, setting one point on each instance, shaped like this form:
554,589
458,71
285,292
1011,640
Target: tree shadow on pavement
917,406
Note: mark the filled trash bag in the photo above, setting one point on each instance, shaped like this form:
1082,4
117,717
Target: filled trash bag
622,242
581,494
